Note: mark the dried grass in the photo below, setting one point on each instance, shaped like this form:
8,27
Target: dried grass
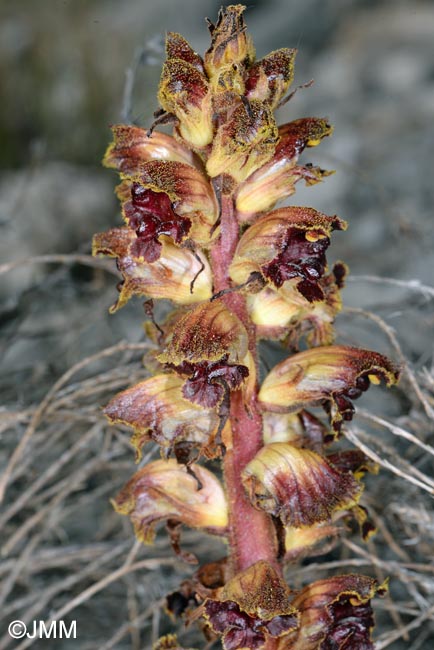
66,554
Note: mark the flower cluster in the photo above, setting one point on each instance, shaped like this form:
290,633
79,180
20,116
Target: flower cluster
202,230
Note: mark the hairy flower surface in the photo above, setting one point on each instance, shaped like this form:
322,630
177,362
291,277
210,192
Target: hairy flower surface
209,345
252,606
133,146
298,485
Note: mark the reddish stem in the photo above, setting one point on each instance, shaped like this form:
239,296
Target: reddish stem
251,533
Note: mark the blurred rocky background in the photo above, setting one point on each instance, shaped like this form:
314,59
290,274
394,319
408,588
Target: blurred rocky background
69,69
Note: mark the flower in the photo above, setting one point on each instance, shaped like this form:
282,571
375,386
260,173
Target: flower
230,45
269,79
168,198
184,91
157,410
285,313
287,246
298,485
331,375
209,345
335,613
300,429
133,146
243,143
252,606
165,490
276,179
178,274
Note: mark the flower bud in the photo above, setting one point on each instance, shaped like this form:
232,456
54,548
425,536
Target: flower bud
230,43
276,179
184,91
165,490
157,410
333,374
269,79
253,606
244,142
170,276
132,146
335,612
287,246
298,485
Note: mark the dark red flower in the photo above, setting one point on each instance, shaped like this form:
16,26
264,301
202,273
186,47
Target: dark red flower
150,214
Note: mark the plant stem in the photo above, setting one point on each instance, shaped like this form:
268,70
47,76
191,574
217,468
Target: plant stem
251,533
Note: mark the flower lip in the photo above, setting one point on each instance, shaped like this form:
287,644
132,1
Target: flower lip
208,382
188,190
150,214
300,258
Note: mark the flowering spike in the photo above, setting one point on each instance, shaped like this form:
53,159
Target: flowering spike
200,230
